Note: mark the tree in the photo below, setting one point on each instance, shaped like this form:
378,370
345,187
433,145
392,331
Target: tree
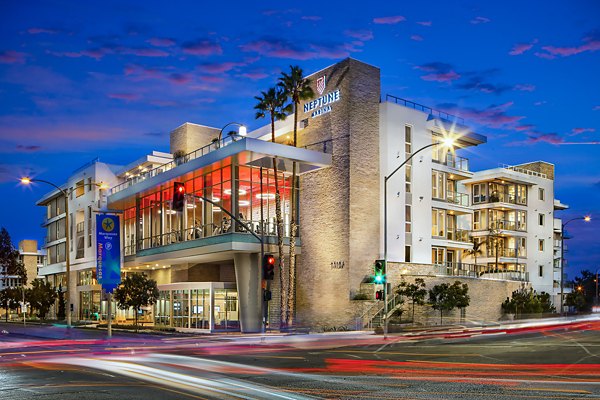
297,88
273,103
9,258
446,297
527,301
9,299
576,299
136,291
41,296
416,292
494,240
61,314
475,250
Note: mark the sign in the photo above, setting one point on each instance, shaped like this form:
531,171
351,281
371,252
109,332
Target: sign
322,105
338,265
108,261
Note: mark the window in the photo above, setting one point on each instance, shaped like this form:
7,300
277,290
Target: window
79,189
408,152
438,179
89,184
541,219
406,253
438,255
479,193
477,220
542,194
408,173
522,247
408,219
438,222
541,245
408,139
541,270
89,226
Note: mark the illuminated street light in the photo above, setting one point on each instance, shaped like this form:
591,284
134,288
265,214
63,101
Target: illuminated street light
585,218
103,186
448,141
241,131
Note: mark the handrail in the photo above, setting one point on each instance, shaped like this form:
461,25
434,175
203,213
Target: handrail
417,106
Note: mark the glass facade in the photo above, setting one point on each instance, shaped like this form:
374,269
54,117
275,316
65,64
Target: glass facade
240,190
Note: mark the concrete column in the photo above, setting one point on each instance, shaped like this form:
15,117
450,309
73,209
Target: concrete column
211,304
247,276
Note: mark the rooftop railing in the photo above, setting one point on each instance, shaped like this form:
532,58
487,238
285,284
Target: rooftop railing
425,109
176,162
523,171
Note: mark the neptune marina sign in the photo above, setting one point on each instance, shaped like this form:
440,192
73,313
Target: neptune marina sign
322,105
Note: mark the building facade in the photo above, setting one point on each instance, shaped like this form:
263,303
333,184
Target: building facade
350,138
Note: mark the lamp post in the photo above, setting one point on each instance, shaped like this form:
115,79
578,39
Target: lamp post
241,131
586,218
446,142
596,299
101,185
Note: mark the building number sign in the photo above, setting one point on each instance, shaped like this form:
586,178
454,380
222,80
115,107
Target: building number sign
337,265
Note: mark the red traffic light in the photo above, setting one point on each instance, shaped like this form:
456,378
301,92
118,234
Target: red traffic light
178,196
270,260
379,295
181,189
268,267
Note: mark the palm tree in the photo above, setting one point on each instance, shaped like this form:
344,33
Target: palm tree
298,88
273,103
475,250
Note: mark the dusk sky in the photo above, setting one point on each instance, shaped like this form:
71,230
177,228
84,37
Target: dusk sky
111,79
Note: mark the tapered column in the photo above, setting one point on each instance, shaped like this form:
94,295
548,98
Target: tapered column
247,276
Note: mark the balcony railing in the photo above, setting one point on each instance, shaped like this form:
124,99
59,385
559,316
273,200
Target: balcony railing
506,252
482,271
428,110
458,235
506,225
454,162
202,231
460,199
176,161
496,197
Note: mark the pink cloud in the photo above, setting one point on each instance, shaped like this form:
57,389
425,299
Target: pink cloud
547,56
551,138
141,51
36,31
277,48
360,34
28,148
425,23
494,116
202,48
255,76
480,20
524,127
521,48
590,43
178,78
211,78
12,57
389,20
417,38
438,72
311,18
445,77
161,42
579,131
527,87
219,68
124,96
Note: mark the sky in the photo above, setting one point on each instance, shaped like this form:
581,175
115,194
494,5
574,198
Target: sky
111,79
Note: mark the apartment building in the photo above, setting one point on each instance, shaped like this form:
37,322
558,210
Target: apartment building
207,265
32,258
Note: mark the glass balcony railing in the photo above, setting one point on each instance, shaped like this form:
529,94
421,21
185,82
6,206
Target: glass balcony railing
453,161
460,199
483,271
506,225
458,235
495,197
506,252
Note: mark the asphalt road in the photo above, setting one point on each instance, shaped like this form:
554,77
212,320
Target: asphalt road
548,363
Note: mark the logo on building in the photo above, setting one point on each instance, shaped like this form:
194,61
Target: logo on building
321,85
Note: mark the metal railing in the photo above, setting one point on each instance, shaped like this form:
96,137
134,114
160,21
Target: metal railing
176,162
200,231
496,197
481,271
506,225
420,107
506,252
460,199
458,235
523,171
453,161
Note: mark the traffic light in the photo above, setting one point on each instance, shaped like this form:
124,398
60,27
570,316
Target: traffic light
178,196
268,267
379,277
267,295
379,295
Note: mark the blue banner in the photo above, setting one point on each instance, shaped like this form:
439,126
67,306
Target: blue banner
108,242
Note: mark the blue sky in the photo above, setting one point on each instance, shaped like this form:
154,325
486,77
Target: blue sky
85,79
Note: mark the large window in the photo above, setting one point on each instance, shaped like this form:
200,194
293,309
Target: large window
438,222
408,219
438,255
438,180
408,152
479,193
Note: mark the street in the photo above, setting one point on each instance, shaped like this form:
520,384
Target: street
555,362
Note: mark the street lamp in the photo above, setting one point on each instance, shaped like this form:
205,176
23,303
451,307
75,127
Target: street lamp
586,218
103,186
447,142
241,131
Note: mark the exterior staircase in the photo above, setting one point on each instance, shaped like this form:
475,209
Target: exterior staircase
374,316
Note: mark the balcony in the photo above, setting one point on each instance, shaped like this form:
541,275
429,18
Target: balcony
458,235
454,162
460,199
481,271
505,225
506,252
500,198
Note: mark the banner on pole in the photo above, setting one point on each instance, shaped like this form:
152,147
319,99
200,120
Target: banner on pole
108,242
